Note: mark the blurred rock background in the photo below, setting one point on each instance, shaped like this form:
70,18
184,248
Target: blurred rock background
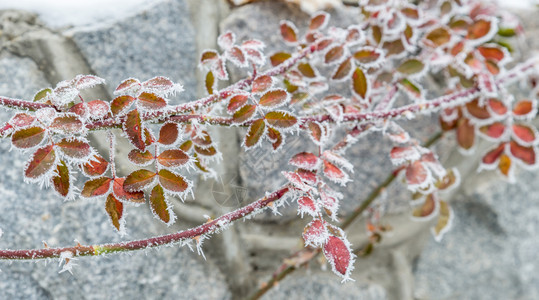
489,254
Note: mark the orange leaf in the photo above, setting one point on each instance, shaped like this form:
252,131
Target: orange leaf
115,210
42,162
159,205
96,187
255,132
172,182
138,180
172,158
28,137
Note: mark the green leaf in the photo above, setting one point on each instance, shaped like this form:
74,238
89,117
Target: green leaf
43,95
306,70
411,66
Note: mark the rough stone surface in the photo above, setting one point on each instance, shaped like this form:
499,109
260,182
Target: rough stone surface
494,240
157,42
31,216
324,286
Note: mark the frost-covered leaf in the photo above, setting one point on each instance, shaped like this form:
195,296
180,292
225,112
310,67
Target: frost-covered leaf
95,167
524,134
161,85
428,209
275,137
307,205
494,130
237,102
168,134
255,133
411,66
140,158
262,84
75,148
280,119
209,57
172,158
438,37
416,174
139,180
96,187
61,182
289,32
306,70
339,256
315,233
69,124
343,70
524,108
87,81
114,209
504,165
172,182
296,181
274,98
493,155
226,40
43,95
21,120
476,110
206,151
445,221
120,105
481,28
315,131
28,137
41,162
97,109
236,55
465,134
305,160
368,56
524,154
319,20
128,86
334,54
210,82
334,173
449,181
359,83
244,114
279,57
133,128
159,205
400,155
123,195
411,88
151,101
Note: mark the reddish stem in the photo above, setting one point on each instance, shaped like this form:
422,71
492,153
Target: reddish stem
22,104
94,250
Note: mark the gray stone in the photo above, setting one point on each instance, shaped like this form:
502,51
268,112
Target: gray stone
491,253
30,216
159,41
324,286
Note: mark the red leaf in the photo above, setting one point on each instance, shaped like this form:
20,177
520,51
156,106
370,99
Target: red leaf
133,128
492,52
255,132
280,119
244,114
121,104
344,70
236,55
159,84
315,131
416,173
494,130
60,182
226,40
41,163
118,189
368,55
332,172
306,176
497,106
96,187
274,98
289,32
151,101
305,160
66,124
201,138
172,182
172,158
87,81
275,137
21,120
477,111
493,155
523,133
115,210
237,102
159,205
97,109
168,134
315,233
262,83
75,148
359,83
306,204
139,180
28,137
401,155
95,167
140,158
319,20
479,29
465,134
523,108
334,54
128,86
525,154
338,255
